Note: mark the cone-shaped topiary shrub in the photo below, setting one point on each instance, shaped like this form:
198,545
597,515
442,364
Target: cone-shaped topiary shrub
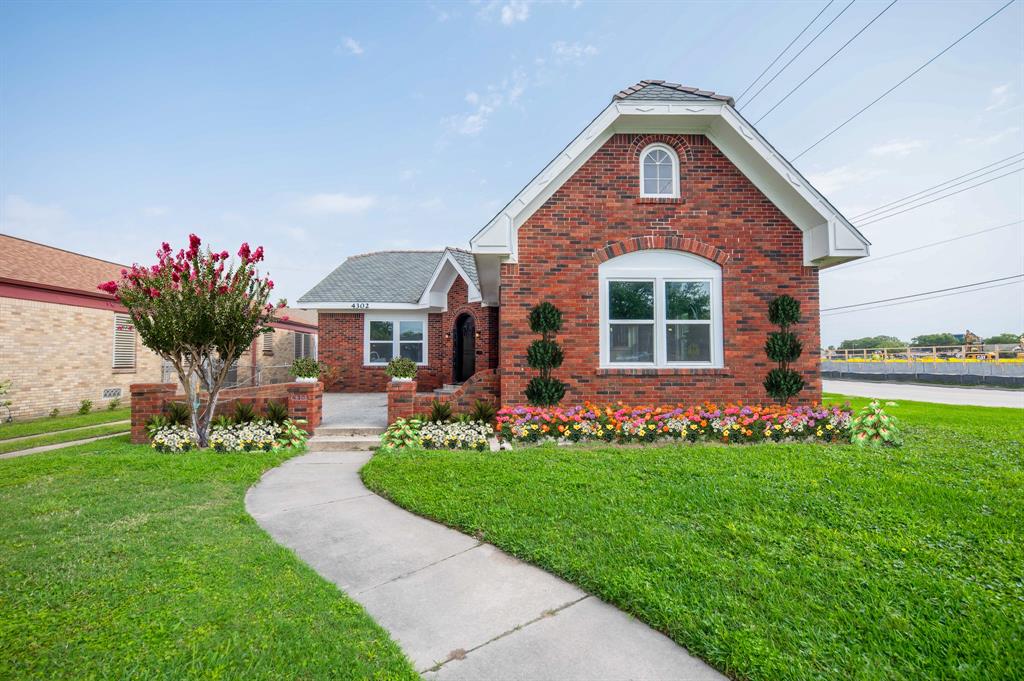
783,347
544,355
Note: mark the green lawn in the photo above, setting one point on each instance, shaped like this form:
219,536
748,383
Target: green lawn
48,425
118,562
790,561
63,436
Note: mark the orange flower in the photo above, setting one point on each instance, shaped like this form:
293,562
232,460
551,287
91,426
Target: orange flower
561,429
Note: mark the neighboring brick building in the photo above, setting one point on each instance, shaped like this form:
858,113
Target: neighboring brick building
62,341
662,232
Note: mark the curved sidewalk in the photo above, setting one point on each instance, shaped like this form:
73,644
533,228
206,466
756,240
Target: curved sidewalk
459,608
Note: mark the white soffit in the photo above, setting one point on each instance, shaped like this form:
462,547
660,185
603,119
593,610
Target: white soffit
829,238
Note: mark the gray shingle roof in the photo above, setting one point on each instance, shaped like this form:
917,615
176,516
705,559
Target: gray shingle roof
672,92
385,277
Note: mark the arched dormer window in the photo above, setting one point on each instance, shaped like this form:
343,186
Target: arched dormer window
659,171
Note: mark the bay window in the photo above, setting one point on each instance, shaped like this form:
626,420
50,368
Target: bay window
660,309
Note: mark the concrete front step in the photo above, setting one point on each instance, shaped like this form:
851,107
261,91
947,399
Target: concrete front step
342,443
349,430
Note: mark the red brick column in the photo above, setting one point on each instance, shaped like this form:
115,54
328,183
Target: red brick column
305,401
148,400
401,400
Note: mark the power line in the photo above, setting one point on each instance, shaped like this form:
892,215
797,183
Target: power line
921,300
939,198
923,293
868,261
811,42
760,75
905,79
926,189
824,63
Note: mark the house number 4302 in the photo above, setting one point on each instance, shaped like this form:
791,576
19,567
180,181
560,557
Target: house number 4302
360,306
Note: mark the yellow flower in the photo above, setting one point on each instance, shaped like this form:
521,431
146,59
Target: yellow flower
828,427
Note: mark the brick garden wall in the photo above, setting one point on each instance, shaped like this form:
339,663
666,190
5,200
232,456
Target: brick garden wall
597,213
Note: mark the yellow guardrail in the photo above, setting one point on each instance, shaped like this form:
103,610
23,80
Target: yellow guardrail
923,360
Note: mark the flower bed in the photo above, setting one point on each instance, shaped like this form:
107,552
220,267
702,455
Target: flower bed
417,433
245,437
708,423
253,436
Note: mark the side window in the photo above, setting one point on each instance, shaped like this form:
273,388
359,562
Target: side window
659,172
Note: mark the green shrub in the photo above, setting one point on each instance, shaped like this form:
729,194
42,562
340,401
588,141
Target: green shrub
114,404
440,411
783,347
85,407
221,421
243,412
306,367
544,355
401,367
177,414
155,424
54,413
872,427
276,413
482,411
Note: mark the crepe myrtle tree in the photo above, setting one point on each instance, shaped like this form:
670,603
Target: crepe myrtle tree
200,311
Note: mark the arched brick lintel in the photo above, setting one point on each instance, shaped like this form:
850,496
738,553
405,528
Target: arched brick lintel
662,242
678,142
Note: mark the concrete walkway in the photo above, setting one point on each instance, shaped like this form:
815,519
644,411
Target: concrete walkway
980,397
459,608
356,410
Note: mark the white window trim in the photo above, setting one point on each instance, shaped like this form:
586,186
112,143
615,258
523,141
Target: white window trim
661,266
675,171
395,318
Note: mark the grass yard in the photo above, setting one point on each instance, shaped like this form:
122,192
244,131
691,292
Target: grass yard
797,561
118,562
48,425
62,436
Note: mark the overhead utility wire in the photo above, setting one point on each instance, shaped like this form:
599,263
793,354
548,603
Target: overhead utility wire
905,79
866,213
939,198
921,300
760,75
868,261
824,63
923,293
786,65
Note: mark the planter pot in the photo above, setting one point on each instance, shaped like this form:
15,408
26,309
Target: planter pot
401,380
307,379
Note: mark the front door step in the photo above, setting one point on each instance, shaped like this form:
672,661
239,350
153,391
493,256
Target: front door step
344,439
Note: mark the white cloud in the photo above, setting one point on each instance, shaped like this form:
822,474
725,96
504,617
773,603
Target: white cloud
352,46
897,148
995,137
440,14
18,212
999,97
335,204
830,181
572,52
515,11
486,104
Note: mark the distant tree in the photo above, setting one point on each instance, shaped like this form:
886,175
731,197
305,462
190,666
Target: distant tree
935,339
1013,338
872,342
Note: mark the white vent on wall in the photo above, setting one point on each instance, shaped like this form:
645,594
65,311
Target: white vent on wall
111,393
268,343
124,342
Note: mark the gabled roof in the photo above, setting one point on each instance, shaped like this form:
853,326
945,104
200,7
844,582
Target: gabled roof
669,92
385,277
28,261
658,107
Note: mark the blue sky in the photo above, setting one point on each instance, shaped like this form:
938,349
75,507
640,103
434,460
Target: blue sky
322,130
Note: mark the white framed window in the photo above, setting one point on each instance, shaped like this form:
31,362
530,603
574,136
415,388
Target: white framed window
305,345
124,343
659,171
395,335
660,309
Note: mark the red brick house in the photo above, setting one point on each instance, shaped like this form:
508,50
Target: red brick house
661,232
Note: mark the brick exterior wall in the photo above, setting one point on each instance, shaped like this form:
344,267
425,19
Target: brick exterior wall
597,213
341,345
58,355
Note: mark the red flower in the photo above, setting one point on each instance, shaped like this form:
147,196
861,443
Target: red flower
244,252
193,242
270,284
223,255
154,293
222,289
257,254
109,286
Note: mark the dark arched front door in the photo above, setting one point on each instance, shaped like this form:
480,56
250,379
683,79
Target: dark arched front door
465,347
